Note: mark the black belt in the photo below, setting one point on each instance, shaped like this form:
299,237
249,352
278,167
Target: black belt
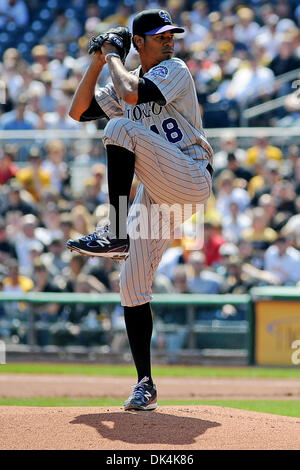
210,169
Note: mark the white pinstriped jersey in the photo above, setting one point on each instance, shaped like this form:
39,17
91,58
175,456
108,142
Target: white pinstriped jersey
179,120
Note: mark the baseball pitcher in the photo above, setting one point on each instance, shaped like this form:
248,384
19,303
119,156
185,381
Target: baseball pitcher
155,131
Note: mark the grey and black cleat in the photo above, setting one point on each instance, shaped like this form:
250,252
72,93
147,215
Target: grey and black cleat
101,244
143,397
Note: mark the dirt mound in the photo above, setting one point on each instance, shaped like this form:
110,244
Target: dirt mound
179,427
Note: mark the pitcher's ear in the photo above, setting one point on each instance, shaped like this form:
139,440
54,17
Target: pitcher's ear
138,41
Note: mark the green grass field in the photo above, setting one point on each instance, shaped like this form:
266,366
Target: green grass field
280,407
158,371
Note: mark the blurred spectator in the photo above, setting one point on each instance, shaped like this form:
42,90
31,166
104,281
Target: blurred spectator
235,281
92,191
65,226
7,248
246,29
17,200
292,228
13,11
180,281
237,169
33,177
227,193
16,282
202,280
56,258
269,37
241,276
292,159
120,17
58,66
59,118
250,82
229,146
72,270
51,228
194,32
55,164
268,203
267,175
259,234
199,13
48,102
212,243
92,10
235,223
11,72
283,260
43,283
8,168
40,56
284,193
63,29
285,60
19,119
25,241
262,151
82,221
297,177
101,269
13,220
99,173
174,7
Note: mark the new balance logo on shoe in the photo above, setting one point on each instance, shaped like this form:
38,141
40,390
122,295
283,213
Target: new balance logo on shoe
143,397
100,244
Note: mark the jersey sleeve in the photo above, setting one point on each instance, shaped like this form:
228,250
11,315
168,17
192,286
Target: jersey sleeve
171,77
108,101
148,91
92,112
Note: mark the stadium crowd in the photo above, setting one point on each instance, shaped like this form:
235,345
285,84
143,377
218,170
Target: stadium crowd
55,189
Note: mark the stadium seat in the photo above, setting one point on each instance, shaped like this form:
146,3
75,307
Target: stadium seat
52,4
45,14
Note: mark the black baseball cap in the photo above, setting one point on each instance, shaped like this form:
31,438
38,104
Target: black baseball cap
154,22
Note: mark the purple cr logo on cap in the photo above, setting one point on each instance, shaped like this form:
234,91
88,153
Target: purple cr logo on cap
164,15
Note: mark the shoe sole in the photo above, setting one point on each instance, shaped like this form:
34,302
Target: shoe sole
113,255
150,407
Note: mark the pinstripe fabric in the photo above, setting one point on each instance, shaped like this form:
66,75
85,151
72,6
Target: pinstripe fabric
171,157
109,101
168,177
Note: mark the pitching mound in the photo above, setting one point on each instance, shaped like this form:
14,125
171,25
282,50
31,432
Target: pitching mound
179,427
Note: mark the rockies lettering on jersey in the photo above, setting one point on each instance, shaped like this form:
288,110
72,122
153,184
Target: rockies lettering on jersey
179,121
140,111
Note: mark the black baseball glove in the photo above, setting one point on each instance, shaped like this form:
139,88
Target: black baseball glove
120,37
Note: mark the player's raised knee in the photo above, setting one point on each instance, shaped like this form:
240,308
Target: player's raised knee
115,125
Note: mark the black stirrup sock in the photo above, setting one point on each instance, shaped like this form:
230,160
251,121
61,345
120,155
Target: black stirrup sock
139,327
120,173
